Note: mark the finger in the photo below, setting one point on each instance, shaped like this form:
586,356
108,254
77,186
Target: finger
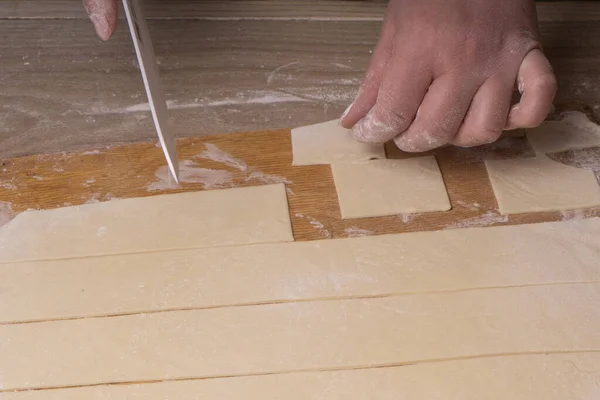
440,115
538,87
487,115
367,93
402,89
103,14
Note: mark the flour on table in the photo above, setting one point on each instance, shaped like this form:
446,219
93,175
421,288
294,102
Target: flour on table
315,224
213,153
8,186
569,215
190,173
89,182
250,97
90,152
487,219
407,217
354,231
468,206
256,175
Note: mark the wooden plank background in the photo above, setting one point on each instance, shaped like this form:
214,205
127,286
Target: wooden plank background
233,66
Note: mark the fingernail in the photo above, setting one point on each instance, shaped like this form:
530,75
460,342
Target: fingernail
102,26
345,113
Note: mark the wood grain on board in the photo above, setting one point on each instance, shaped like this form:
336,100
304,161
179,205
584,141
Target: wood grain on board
283,9
63,89
49,181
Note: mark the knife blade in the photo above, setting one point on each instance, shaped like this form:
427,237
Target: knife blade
149,68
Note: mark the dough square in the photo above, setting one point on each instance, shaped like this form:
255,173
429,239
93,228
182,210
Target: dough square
540,184
390,187
574,131
327,143
209,218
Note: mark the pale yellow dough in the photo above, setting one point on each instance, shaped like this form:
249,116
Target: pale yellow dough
548,253
328,142
574,131
530,377
166,222
389,187
301,336
540,184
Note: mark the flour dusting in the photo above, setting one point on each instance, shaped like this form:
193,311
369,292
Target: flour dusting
101,231
487,219
584,158
469,206
8,186
190,173
94,199
569,215
406,218
89,182
273,73
252,97
213,153
267,179
354,231
6,212
90,152
315,224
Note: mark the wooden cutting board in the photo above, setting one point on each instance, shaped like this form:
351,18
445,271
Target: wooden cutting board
58,180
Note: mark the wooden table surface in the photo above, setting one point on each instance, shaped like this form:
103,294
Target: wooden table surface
57,180
227,66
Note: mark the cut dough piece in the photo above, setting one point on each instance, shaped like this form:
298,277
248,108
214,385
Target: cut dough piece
547,253
174,221
301,336
573,132
327,143
526,377
540,184
389,187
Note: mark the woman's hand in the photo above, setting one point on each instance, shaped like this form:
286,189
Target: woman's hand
444,72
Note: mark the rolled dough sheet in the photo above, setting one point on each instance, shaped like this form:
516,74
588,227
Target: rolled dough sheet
301,336
174,221
530,377
389,187
546,253
327,143
540,184
574,131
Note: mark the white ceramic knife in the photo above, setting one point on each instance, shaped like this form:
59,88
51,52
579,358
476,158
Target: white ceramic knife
156,98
